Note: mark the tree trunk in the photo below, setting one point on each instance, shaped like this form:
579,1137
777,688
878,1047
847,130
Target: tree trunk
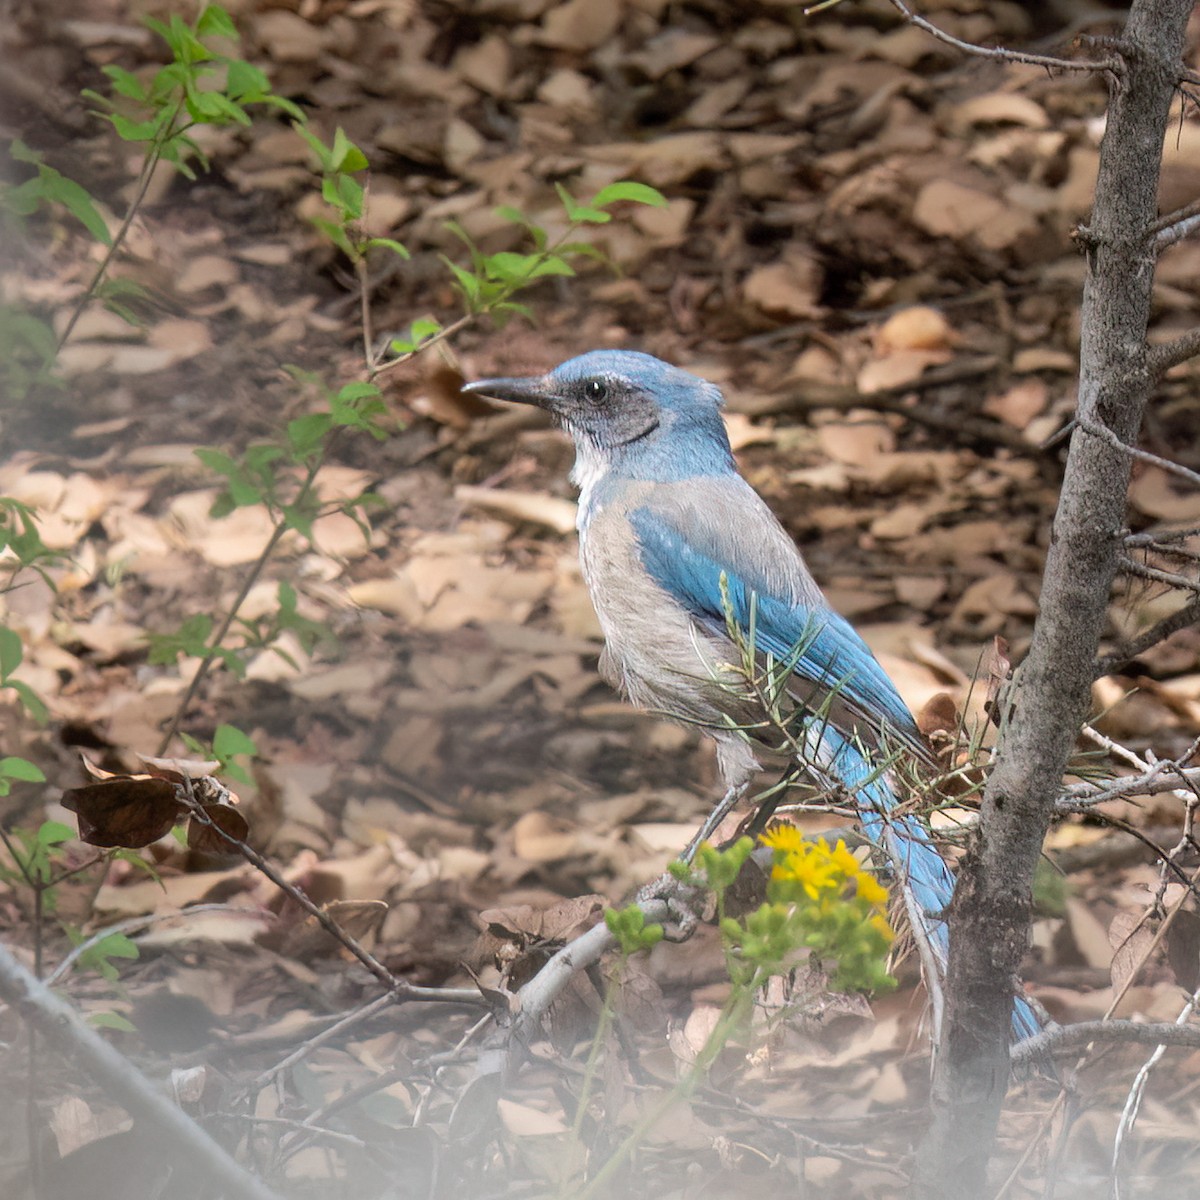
990,914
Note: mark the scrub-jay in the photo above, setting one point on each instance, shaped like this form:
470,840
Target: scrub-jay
673,541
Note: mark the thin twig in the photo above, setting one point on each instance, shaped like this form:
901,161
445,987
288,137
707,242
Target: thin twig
63,1028
999,54
1107,436
143,186
399,989
1064,1038
889,400
1171,579
1181,618
360,1014
1159,232
1082,797
1133,1103
217,641
134,924
535,998
368,337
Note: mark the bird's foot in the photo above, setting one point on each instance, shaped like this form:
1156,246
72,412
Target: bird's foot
685,903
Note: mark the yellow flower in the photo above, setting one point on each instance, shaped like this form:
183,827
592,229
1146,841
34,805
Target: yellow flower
880,924
812,871
844,860
783,837
868,889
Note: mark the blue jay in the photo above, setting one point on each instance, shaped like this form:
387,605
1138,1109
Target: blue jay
671,538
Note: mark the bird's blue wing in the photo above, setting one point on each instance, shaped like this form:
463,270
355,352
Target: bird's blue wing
831,653
690,567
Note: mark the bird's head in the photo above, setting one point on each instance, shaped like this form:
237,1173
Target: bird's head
621,404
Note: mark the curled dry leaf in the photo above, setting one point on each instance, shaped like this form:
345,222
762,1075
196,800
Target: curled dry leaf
1131,937
130,812
221,819
999,671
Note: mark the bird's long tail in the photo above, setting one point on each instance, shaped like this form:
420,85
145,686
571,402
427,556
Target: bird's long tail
926,881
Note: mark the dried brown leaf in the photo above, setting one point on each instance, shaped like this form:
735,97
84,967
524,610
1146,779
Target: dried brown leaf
130,812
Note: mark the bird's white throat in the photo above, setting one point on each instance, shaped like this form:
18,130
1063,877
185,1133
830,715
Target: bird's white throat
590,467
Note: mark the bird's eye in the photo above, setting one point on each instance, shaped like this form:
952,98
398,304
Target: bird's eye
596,390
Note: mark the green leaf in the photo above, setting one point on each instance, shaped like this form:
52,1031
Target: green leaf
284,105
229,741
467,282
324,153
22,769
552,264
216,460
78,202
349,194
126,84
391,244
358,390
31,700
11,652
287,597
639,193
18,150
337,235
214,20
297,518
580,214
112,1020
134,131
346,157
305,434
51,833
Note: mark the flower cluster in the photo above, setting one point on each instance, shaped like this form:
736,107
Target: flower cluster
819,900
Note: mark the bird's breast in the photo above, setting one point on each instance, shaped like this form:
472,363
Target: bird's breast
654,652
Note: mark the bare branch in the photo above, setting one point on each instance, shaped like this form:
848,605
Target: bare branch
81,1046
1175,226
536,997
1067,1038
1189,614
1165,464
997,53
400,989
1160,359
1080,797
1133,567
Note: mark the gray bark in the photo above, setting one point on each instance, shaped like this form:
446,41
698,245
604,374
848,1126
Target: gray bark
990,915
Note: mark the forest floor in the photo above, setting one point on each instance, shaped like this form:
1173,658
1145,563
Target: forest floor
868,247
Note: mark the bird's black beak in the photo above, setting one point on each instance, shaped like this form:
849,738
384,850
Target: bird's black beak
531,389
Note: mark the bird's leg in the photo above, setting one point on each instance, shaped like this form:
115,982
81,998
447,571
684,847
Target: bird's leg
766,810
727,804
